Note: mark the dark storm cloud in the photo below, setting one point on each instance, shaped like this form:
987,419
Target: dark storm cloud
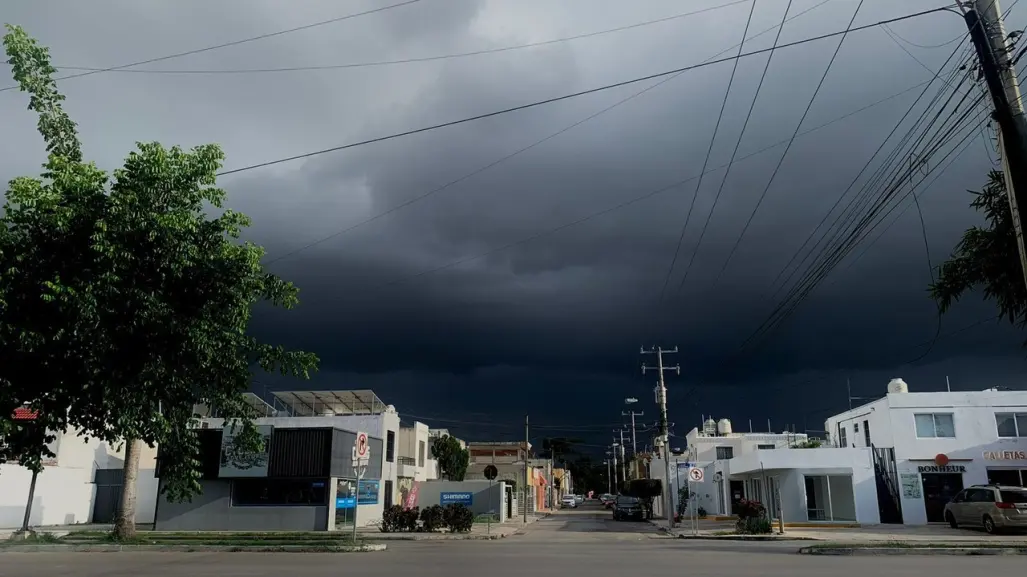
401,304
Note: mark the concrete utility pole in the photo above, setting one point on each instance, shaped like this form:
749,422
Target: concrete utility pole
623,458
609,480
984,20
526,443
661,398
633,414
616,481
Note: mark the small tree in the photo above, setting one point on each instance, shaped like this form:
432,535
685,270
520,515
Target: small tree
122,302
451,457
987,258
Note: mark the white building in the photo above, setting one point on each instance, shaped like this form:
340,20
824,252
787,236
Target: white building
929,446
356,411
416,464
82,484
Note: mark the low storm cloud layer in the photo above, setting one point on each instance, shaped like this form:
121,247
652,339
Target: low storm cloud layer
446,276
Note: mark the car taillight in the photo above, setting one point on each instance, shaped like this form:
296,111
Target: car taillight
1006,505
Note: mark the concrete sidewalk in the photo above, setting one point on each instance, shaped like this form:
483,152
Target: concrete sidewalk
933,533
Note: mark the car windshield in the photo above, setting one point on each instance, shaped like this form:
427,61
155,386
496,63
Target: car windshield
1013,496
627,500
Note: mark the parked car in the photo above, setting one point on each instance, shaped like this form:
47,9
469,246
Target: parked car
605,498
994,507
569,501
628,508
580,499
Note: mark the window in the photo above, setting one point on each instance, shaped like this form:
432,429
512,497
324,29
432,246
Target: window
980,496
866,433
762,447
934,426
279,492
855,427
842,441
1011,424
1013,496
421,448
724,453
390,446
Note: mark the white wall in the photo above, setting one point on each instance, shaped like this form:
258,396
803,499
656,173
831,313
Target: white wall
65,493
893,426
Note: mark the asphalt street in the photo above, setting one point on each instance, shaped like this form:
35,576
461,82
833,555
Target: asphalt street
585,541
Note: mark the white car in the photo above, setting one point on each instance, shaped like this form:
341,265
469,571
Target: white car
569,501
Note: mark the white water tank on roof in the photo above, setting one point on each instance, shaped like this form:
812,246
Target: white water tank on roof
724,427
709,427
897,386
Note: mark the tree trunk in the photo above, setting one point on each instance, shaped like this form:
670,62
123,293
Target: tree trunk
125,524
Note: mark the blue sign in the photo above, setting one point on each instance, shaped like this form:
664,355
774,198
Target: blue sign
685,465
461,498
345,502
367,491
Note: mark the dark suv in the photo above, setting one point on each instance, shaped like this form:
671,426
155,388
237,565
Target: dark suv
625,507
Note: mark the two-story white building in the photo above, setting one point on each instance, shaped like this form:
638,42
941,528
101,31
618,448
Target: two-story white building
415,460
927,446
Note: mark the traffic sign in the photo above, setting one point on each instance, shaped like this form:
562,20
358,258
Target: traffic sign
695,474
491,472
363,449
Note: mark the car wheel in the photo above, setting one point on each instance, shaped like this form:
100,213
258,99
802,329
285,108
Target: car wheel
989,525
951,520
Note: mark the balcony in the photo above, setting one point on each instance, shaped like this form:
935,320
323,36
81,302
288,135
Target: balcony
407,467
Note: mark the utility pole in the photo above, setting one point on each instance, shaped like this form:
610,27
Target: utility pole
661,397
634,443
984,20
609,480
623,458
524,509
616,481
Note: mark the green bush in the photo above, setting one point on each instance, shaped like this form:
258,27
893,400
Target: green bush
752,518
392,519
409,519
433,518
702,513
459,518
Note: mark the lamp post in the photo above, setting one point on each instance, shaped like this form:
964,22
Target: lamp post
634,444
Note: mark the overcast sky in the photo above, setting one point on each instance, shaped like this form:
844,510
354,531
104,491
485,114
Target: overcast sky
445,307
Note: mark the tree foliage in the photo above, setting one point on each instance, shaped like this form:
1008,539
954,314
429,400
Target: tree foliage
986,258
122,302
451,457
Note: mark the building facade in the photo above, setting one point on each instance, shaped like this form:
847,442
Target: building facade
929,446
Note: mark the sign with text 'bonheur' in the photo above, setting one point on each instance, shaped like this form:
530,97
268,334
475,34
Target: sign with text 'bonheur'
456,498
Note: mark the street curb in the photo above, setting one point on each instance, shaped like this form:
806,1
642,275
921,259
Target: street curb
520,531
428,537
745,538
885,551
371,547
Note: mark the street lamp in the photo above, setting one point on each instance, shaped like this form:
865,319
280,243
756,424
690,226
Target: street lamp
634,444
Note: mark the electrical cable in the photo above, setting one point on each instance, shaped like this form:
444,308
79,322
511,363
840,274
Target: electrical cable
788,147
795,291
855,237
420,59
629,202
734,153
571,95
228,44
713,140
518,152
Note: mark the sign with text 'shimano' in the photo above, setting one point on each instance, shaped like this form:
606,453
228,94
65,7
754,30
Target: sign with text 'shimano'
456,498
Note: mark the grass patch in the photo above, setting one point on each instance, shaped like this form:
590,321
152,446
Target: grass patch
34,539
723,533
485,518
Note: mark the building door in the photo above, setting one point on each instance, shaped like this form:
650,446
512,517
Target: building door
939,489
737,494
388,494
108,494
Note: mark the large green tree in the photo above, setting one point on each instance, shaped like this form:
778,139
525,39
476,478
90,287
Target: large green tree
451,457
986,258
122,300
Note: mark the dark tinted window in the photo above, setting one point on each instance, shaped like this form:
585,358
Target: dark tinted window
1013,496
279,492
981,496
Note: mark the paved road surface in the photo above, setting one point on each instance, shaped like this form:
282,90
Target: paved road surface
582,542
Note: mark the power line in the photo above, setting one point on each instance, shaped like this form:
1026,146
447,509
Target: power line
519,151
713,140
121,67
572,95
634,200
788,147
423,58
738,143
